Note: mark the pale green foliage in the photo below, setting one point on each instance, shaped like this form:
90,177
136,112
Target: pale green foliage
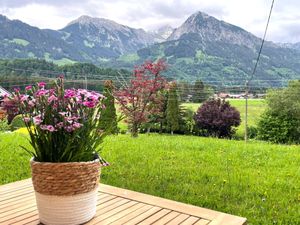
17,123
281,121
4,125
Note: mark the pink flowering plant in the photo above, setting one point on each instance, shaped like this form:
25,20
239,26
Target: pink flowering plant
63,124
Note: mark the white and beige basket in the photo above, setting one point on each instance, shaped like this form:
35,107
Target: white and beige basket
66,193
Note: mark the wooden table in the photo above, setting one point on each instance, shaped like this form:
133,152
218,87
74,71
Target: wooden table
115,206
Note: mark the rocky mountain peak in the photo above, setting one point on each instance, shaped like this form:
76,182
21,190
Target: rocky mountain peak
162,33
97,22
210,29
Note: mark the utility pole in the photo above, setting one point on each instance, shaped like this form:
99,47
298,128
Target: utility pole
246,110
85,78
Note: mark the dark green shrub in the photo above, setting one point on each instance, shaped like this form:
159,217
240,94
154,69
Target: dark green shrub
278,129
108,118
252,132
173,110
17,123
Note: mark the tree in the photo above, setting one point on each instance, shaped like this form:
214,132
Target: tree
140,97
280,123
108,118
173,115
184,91
198,92
217,118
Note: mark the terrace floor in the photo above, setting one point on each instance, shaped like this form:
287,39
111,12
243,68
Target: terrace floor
115,206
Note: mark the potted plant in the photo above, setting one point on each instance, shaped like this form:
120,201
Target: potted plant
63,125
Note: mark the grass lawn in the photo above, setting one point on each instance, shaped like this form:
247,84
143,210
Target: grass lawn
255,108
257,180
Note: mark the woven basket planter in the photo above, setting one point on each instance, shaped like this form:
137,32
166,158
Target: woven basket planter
66,193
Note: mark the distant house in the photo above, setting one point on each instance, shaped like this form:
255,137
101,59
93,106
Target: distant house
236,96
3,93
223,95
260,96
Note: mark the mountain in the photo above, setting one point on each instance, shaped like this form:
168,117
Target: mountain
85,39
163,33
210,29
103,38
290,45
203,47
206,48
20,40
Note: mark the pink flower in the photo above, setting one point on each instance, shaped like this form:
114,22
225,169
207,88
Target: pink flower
41,93
59,125
31,103
51,91
77,125
27,88
89,104
70,93
43,127
37,120
62,113
26,119
17,89
41,84
50,128
69,129
82,91
52,98
24,98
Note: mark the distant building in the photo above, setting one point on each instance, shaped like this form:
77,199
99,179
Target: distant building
3,93
260,96
223,95
236,96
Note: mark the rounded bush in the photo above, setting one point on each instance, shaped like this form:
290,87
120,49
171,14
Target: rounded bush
281,121
278,129
217,118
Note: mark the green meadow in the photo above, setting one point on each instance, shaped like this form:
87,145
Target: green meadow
256,180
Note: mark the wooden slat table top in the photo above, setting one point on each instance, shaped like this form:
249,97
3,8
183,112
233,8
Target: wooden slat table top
115,206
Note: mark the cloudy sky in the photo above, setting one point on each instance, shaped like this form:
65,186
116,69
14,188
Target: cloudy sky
248,14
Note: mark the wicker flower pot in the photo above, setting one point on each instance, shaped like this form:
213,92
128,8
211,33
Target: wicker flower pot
66,193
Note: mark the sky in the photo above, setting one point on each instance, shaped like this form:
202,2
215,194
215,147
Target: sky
149,15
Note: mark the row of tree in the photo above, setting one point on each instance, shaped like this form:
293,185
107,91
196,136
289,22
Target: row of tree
150,103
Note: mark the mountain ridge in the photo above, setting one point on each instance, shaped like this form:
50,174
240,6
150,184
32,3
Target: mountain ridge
203,47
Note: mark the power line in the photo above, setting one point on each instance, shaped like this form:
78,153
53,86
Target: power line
263,41
254,70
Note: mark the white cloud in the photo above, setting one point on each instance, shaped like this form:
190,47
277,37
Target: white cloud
250,15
